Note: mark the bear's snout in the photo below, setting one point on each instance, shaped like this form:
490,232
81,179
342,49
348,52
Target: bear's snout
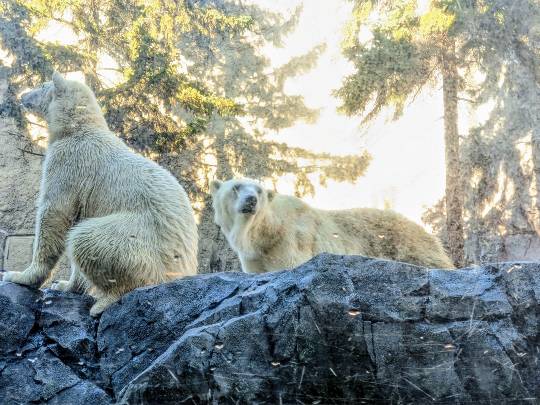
36,100
31,100
249,205
28,99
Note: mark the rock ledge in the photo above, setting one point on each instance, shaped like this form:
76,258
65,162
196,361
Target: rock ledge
339,329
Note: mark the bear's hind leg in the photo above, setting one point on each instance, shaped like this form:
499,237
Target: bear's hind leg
116,254
76,283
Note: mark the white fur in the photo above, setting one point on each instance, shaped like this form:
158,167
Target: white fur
281,232
126,222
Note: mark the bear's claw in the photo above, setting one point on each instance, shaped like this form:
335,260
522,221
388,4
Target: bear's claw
61,285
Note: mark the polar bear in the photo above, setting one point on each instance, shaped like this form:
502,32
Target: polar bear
124,220
271,232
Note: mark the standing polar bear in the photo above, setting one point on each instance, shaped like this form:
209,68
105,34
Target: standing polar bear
271,232
125,221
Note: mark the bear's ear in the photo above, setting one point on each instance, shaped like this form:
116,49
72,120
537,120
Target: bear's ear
214,186
59,82
270,194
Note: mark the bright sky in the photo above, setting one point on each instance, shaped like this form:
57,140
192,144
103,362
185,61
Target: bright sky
408,155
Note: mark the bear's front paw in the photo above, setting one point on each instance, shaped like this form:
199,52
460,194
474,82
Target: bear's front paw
102,304
14,277
67,286
20,278
61,285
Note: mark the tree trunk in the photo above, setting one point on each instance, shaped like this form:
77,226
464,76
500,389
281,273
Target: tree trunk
534,95
214,255
531,99
454,192
535,144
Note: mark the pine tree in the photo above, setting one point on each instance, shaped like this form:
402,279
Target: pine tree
452,42
409,51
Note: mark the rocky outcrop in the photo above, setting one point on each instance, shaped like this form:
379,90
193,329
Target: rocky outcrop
339,329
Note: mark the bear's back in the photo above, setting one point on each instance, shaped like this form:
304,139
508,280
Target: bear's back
111,177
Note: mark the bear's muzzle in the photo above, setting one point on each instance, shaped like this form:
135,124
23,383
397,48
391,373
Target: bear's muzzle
250,205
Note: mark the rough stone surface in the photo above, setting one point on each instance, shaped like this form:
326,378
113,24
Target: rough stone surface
19,184
17,256
20,173
522,247
339,329
18,252
47,348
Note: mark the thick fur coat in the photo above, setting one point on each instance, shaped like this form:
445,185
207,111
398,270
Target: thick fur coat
125,221
271,232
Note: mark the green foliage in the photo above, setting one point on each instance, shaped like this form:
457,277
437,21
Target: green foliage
436,22
194,87
387,72
407,48
497,58
142,37
402,58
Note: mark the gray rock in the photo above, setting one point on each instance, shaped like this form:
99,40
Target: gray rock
157,317
64,319
339,329
347,329
465,294
47,348
17,317
83,392
37,376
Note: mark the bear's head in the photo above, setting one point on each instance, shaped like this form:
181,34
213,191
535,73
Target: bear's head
64,104
238,198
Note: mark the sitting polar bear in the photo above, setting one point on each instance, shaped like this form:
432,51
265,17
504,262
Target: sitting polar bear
126,222
271,232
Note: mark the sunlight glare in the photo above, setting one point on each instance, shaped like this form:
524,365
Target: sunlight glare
407,170
422,7
56,32
6,58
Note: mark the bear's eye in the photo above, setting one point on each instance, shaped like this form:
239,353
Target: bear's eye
259,190
236,188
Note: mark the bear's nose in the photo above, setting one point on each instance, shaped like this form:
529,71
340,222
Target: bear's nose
249,204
